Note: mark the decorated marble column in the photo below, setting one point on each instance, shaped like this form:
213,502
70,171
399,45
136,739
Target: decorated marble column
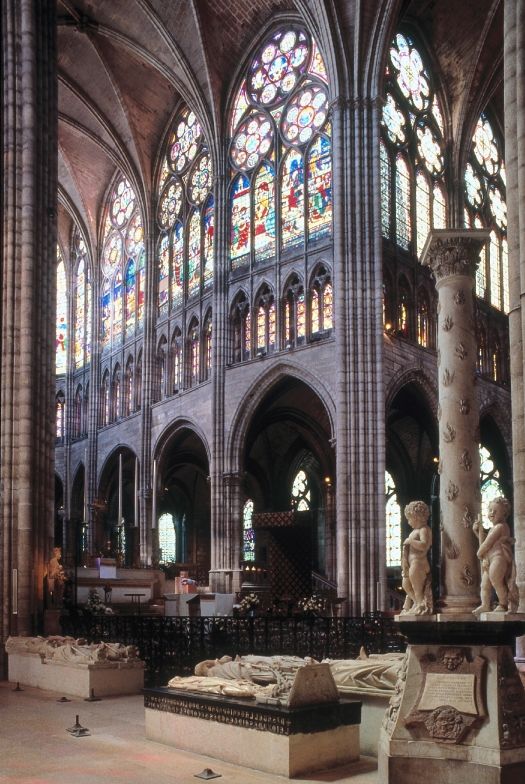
453,257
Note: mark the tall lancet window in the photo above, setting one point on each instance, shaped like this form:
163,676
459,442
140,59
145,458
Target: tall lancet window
485,207
82,294
412,150
248,534
123,265
185,216
62,337
393,523
280,196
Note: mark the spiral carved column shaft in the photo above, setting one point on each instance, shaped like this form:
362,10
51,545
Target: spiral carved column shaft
453,257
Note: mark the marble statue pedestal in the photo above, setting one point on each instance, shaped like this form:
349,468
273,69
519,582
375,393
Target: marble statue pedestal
458,713
283,741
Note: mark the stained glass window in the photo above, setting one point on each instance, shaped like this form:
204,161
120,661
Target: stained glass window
82,303
123,257
194,355
393,523
490,482
167,539
240,220
61,342
412,151
207,347
60,409
292,199
177,266
127,399
280,143
301,493
403,212
194,254
185,215
264,212
485,207
248,535
176,361
319,188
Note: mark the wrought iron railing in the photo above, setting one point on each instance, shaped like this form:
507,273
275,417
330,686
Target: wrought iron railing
172,646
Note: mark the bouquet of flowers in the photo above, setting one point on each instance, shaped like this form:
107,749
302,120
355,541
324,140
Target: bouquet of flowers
311,605
248,602
95,605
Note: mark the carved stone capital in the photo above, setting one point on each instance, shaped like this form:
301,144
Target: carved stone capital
448,252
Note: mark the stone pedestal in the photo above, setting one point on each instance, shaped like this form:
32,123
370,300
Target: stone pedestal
283,741
458,712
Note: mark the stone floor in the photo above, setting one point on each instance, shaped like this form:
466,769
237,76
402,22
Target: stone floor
36,749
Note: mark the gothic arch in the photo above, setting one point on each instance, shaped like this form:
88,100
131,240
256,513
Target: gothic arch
425,385
178,425
253,398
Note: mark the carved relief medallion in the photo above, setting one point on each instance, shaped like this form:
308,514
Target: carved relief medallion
452,491
449,433
447,378
447,324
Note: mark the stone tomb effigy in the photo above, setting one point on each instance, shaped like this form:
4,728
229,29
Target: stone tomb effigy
74,667
288,728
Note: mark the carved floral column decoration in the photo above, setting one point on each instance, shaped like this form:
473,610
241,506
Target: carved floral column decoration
453,257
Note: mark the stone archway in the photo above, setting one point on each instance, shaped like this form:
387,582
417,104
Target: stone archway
289,433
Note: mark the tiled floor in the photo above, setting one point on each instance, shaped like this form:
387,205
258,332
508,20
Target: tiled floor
36,749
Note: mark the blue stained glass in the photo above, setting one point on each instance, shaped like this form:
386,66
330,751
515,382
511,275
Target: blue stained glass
264,212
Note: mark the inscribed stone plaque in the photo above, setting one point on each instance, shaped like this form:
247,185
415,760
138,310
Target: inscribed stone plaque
313,685
455,690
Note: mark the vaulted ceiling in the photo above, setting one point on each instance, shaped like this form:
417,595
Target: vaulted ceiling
123,66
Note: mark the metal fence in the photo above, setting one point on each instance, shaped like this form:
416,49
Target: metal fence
172,646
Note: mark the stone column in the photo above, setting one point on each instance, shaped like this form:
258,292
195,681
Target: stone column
514,95
360,447
149,545
28,309
224,555
453,257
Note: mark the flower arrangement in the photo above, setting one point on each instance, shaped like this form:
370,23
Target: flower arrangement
248,602
95,605
311,605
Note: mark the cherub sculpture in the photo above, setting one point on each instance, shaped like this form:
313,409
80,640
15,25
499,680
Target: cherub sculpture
498,569
415,567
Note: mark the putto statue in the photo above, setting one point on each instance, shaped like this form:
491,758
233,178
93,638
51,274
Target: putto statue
415,567
498,569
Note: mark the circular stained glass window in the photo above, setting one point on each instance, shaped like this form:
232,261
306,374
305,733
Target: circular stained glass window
135,236
251,142
485,148
429,150
411,75
112,252
305,115
185,142
200,180
276,69
123,203
170,204
394,121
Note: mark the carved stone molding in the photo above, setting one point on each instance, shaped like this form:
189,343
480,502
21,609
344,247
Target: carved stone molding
450,253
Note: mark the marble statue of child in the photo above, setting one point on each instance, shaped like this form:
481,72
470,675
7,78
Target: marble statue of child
498,569
415,566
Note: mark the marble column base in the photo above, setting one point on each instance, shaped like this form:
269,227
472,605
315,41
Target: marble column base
457,715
